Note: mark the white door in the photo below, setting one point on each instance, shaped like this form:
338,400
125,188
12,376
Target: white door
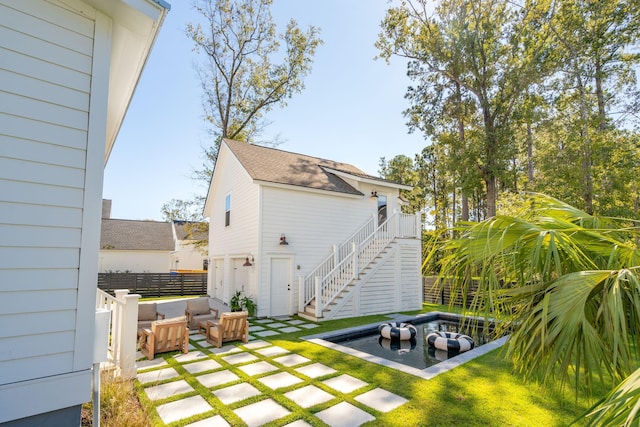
281,287
217,276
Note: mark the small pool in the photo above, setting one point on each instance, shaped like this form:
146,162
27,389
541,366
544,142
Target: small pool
414,357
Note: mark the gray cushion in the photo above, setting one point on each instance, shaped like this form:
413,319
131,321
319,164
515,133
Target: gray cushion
147,311
198,306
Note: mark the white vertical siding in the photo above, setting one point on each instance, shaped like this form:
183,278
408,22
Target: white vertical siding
411,276
45,79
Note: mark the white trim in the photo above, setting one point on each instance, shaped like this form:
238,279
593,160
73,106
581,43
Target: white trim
373,181
92,203
307,189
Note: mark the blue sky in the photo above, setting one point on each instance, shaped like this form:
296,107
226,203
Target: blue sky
350,110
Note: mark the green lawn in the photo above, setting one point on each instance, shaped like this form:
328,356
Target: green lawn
483,392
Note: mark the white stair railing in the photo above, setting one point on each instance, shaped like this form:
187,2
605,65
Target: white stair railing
346,262
122,330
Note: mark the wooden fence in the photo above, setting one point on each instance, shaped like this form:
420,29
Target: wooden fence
437,295
154,284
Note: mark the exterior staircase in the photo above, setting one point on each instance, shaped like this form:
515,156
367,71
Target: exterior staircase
351,264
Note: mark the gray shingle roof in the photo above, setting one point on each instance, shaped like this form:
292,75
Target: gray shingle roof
124,234
188,230
283,167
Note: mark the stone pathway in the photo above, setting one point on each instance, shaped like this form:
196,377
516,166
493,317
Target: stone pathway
228,386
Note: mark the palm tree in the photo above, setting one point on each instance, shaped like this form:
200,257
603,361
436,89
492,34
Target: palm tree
566,285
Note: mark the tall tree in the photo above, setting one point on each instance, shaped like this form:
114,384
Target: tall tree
248,68
492,49
402,169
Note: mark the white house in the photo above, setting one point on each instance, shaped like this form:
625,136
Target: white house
68,70
286,228
135,246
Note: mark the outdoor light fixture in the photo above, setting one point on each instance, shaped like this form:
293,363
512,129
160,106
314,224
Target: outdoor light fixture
247,262
283,240
374,194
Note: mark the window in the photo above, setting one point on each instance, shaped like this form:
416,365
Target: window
227,210
205,264
382,209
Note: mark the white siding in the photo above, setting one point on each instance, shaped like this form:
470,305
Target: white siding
47,140
113,261
44,90
411,276
234,242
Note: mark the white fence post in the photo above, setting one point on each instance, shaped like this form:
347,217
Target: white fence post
318,297
418,225
126,331
356,268
301,293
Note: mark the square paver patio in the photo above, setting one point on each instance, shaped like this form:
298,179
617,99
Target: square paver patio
283,379
291,360
216,421
215,379
258,368
344,415
157,376
192,355
257,344
261,412
148,364
183,408
316,370
236,393
266,333
272,351
309,396
236,359
344,383
381,400
289,329
204,365
163,391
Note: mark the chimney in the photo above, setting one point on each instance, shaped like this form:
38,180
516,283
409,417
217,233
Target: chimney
106,209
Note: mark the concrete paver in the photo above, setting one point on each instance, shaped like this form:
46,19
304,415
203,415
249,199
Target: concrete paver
203,365
316,370
216,421
257,344
344,415
157,375
261,412
183,408
309,396
236,393
171,389
215,379
291,360
381,400
272,351
236,359
280,380
258,368
188,357
266,333
344,383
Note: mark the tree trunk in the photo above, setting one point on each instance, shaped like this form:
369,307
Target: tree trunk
587,161
492,196
529,155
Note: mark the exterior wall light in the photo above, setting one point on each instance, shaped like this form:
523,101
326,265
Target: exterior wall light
248,262
283,240
374,194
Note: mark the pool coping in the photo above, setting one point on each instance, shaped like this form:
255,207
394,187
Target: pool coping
426,373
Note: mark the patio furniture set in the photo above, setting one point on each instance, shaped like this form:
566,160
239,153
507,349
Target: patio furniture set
156,334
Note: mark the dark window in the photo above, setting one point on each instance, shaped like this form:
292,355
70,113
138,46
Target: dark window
205,264
227,210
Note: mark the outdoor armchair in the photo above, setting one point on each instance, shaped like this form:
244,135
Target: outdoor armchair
165,335
232,326
147,313
198,311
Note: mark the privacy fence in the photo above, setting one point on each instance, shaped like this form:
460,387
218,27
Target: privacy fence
442,295
149,285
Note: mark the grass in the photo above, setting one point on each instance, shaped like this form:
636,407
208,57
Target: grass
483,392
119,404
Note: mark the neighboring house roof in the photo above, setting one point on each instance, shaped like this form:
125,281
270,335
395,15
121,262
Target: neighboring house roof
123,234
189,230
283,167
